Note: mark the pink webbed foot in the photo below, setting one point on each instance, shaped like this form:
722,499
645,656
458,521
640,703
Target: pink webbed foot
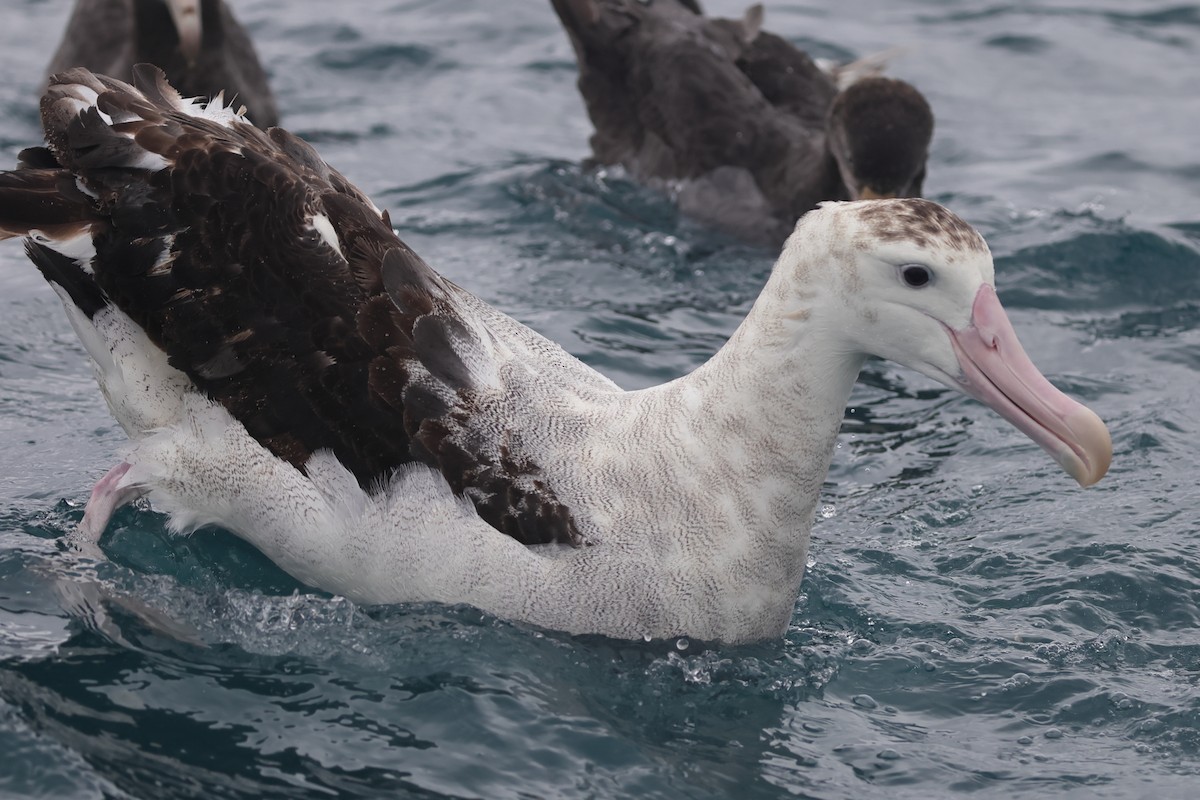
108,495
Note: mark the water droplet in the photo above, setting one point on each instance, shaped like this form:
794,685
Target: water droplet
1017,681
1152,725
1025,740
889,755
646,637
681,644
810,562
1053,733
864,701
828,511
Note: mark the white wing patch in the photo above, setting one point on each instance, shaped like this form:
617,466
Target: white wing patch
214,110
151,162
84,97
78,248
81,186
321,224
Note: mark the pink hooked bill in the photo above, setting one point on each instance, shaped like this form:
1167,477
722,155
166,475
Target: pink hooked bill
997,372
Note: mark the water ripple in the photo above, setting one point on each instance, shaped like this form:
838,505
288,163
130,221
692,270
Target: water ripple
970,621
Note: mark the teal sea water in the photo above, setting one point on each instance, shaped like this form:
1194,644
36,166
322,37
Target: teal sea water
970,624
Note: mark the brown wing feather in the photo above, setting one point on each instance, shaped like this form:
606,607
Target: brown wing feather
359,349
674,94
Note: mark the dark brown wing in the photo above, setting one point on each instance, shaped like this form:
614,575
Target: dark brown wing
664,91
788,79
673,94
283,295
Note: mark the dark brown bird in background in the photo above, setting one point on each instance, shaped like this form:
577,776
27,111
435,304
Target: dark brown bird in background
741,126
199,44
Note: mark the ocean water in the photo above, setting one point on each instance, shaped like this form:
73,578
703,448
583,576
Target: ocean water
970,624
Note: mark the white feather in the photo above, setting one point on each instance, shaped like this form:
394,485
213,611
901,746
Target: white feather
321,224
78,248
213,110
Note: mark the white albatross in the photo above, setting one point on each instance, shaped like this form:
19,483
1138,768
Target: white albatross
288,369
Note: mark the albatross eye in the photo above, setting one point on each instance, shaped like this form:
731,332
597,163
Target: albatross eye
915,275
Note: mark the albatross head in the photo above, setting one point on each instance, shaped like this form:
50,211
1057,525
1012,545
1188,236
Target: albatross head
879,131
913,283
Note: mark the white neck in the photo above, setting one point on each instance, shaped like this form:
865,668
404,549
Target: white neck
777,390
742,444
